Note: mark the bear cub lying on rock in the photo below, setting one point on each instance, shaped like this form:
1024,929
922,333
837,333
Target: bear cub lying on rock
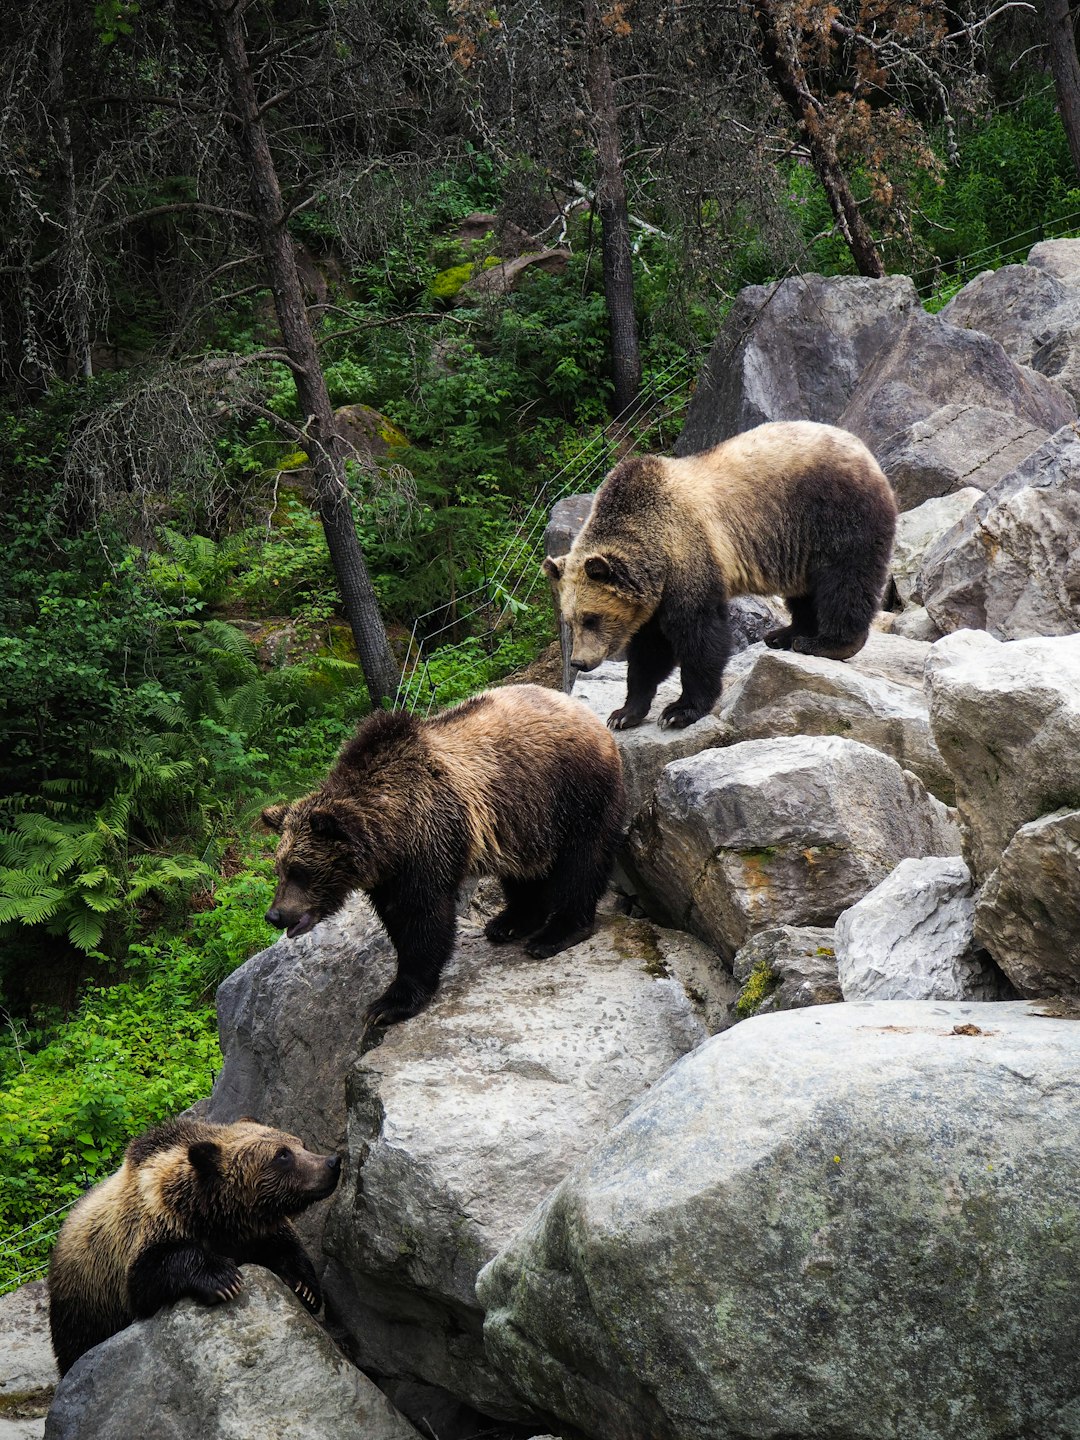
191,1202
790,508
521,783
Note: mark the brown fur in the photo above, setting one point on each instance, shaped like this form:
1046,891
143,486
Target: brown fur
521,782
795,509
191,1201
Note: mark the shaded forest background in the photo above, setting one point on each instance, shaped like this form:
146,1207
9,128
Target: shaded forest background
276,431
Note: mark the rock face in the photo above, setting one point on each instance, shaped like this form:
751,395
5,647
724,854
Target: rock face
28,1374
258,1367
779,832
785,969
789,694
793,351
912,938
463,1119
931,367
1028,915
1057,257
1006,718
1011,305
855,1221
918,530
1012,565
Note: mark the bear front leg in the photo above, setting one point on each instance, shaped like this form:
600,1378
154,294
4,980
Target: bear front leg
702,640
526,909
422,928
283,1253
650,659
172,1270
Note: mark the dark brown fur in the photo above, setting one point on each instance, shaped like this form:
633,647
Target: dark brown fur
521,783
794,509
191,1202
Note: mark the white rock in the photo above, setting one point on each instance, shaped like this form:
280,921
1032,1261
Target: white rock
918,529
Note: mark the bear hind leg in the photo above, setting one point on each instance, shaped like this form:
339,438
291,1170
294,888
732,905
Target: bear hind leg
803,614
845,605
578,878
528,903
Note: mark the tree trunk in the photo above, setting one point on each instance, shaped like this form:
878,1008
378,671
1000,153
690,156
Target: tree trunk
1061,43
328,469
784,69
614,219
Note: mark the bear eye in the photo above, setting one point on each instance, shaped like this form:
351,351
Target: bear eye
298,875
590,622
283,1156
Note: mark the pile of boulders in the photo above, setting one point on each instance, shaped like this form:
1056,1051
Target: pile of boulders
791,1146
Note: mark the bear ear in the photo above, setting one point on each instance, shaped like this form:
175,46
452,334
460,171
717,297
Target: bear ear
273,817
553,569
612,570
327,824
204,1156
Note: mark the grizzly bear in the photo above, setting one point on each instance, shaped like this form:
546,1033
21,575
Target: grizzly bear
521,783
794,509
192,1201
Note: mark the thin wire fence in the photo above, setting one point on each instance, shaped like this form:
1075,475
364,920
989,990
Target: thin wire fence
25,1261
515,574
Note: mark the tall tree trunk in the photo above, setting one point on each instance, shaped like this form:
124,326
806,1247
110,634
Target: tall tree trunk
614,218
778,49
1061,43
328,469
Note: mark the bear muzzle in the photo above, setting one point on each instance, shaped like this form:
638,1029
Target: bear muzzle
280,920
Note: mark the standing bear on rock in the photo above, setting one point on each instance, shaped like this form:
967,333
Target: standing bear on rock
792,508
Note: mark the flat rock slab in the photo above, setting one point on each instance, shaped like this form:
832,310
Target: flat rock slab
779,832
1012,564
463,1118
853,1221
256,1368
1028,915
1006,718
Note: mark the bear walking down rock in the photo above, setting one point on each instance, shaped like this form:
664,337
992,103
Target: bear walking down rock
191,1202
791,508
521,783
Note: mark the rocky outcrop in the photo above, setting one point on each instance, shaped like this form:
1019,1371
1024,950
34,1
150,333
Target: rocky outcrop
462,1120
912,938
1028,915
793,351
28,1374
785,969
1057,257
779,832
918,530
1012,565
853,1221
258,1367
1006,718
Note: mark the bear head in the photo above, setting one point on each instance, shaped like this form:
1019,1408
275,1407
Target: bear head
604,598
243,1178
326,851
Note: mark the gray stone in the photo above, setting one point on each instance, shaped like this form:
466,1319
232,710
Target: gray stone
789,694
918,530
912,938
463,1119
853,1221
1028,914
1006,718
914,623
785,831
794,350
1008,304
954,448
785,969
1060,258
290,1022
567,517
932,365
646,749
1012,565
259,1367
28,1374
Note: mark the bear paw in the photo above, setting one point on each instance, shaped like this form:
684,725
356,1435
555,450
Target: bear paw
502,928
781,639
625,718
219,1282
398,1001
311,1298
678,715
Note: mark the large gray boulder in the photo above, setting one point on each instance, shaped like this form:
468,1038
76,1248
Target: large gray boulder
789,694
794,350
787,831
1028,915
853,1221
1006,718
249,1370
1011,305
1012,564
463,1119
28,1374
930,408
918,530
1060,258
785,969
912,938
